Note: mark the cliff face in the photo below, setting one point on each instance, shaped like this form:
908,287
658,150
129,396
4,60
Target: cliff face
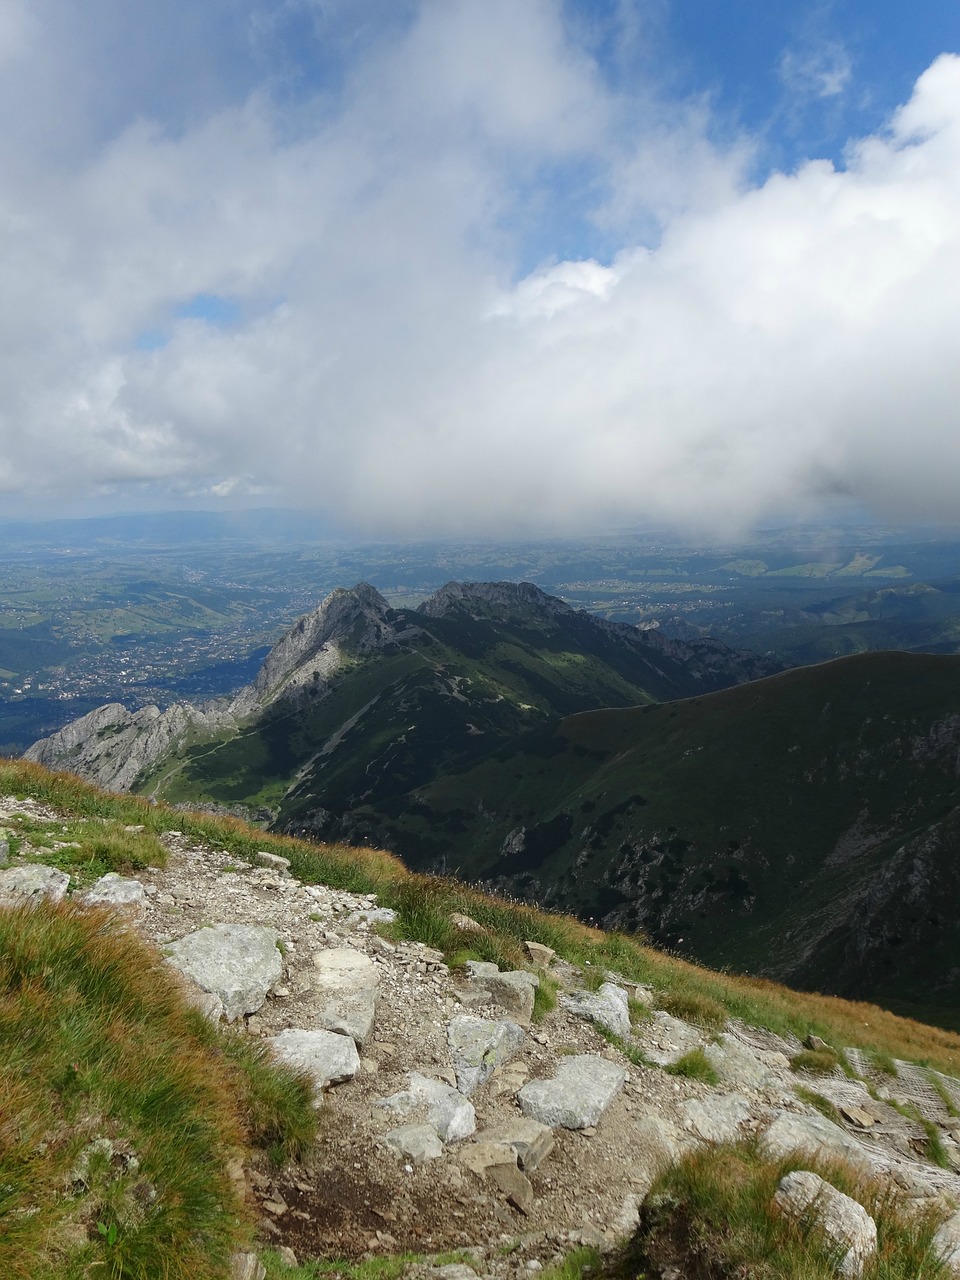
112,747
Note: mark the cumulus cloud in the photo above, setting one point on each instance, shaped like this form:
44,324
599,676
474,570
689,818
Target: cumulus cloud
386,352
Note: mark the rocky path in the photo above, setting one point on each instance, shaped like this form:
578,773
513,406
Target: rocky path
450,1119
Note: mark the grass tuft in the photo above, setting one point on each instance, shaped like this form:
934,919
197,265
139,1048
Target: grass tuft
694,1007
103,1063
694,1065
716,1205
819,1102
818,1062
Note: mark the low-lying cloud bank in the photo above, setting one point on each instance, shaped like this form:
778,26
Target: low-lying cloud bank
319,301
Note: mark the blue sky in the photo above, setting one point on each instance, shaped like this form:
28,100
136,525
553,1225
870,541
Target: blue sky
450,266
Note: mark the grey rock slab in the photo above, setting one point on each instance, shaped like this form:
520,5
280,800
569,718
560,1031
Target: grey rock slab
788,1132
531,1140
247,1266
735,1064
541,955
804,1196
237,962
480,970
719,1118
608,1007
113,890
946,1243
417,1142
665,1039
448,1111
480,1045
326,1057
577,1096
347,985
31,883
514,992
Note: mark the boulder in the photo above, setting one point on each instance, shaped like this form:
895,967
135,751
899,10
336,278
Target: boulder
448,1111
735,1064
542,956
326,1057
844,1222
347,984
946,1243
31,883
719,1118
113,890
480,1045
246,1266
418,1142
788,1132
665,1039
238,962
530,1140
514,992
577,1096
607,1007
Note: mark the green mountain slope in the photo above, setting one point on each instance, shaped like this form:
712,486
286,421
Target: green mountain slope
416,694
805,826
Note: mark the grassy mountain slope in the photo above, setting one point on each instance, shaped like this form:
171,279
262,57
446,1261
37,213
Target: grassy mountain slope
100,1042
804,826
485,665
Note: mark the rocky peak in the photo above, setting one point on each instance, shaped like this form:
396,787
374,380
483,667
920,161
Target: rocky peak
478,595
357,619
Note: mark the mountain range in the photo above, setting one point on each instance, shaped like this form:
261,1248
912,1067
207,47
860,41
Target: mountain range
799,824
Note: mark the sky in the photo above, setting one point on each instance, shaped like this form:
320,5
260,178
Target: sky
481,267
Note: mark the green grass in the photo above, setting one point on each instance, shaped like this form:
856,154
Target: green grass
817,1100
949,1105
717,1206
96,1043
694,1007
818,1062
694,1065
390,1267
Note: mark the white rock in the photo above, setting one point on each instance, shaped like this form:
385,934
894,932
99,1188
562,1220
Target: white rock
946,1243
665,1039
448,1112
31,883
238,962
608,1007
325,1056
788,1132
719,1118
577,1096
115,891
479,1046
735,1064
347,983
844,1222
418,1142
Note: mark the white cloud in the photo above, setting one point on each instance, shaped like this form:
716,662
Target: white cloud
765,346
